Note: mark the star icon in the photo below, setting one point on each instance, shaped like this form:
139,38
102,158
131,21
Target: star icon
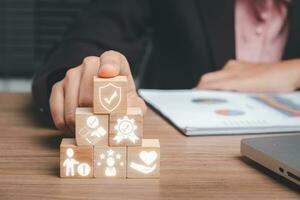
102,156
110,152
118,156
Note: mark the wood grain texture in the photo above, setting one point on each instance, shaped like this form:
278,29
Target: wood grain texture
191,167
110,95
91,129
126,129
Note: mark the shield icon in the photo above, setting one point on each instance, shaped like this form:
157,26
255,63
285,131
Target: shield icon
110,96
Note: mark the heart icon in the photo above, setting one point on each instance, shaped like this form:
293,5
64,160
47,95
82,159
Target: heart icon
148,157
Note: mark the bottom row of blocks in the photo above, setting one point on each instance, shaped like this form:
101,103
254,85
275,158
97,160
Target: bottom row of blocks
105,161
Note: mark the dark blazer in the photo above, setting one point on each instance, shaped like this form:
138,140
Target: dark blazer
170,43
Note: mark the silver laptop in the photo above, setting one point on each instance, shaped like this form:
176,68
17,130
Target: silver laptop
281,154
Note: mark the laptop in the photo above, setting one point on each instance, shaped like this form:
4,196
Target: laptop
281,154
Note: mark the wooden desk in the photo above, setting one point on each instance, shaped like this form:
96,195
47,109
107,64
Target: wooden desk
191,167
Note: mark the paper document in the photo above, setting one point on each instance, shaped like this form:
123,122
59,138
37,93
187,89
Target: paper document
222,113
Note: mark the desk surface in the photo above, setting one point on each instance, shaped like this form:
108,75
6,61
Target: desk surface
191,167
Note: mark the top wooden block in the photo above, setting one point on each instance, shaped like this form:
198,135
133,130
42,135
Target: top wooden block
110,95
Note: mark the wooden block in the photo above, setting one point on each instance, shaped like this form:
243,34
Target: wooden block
110,162
144,161
91,129
110,95
75,161
126,130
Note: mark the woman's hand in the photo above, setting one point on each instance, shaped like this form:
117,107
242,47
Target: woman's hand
248,77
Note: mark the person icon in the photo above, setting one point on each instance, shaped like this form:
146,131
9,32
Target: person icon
70,162
110,169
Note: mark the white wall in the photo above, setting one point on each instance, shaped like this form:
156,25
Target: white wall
15,85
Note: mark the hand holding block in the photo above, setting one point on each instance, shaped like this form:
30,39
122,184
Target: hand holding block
144,161
91,129
126,129
110,162
110,95
75,161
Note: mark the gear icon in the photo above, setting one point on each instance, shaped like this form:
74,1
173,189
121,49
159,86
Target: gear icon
125,129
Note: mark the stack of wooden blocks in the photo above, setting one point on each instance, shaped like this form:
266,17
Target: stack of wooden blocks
109,138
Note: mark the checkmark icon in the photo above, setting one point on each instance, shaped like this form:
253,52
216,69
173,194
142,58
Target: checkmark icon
125,128
92,122
111,98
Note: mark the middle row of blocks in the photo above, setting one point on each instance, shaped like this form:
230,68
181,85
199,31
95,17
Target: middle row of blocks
113,130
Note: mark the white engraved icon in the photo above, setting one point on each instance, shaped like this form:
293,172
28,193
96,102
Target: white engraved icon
92,122
70,162
110,169
111,158
111,102
111,98
125,129
99,132
83,169
92,132
148,158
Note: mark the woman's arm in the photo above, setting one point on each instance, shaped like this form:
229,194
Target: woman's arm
240,76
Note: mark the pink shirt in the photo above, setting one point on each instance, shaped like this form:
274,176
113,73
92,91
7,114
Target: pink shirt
261,29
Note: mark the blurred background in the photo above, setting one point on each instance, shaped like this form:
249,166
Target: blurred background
28,30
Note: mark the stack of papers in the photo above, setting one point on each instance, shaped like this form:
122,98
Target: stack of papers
197,112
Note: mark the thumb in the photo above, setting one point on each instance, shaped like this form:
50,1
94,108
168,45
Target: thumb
113,63
110,64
